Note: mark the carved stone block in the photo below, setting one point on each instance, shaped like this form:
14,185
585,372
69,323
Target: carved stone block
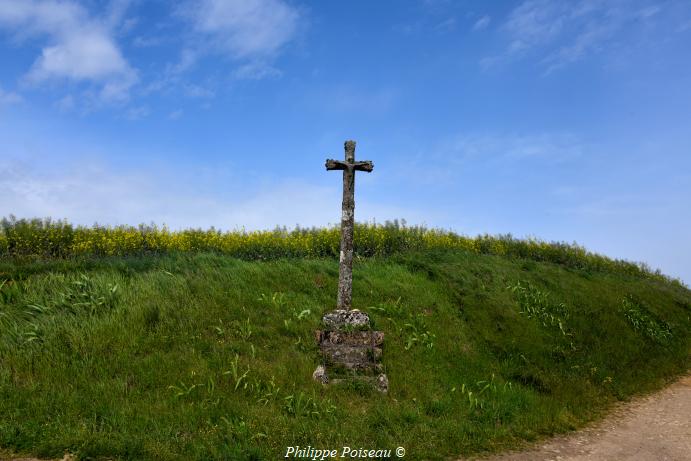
349,348
354,338
341,318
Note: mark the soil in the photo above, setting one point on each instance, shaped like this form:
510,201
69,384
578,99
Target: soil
651,428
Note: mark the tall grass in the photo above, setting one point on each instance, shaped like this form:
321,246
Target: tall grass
46,238
198,356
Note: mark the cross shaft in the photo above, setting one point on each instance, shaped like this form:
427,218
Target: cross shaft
345,269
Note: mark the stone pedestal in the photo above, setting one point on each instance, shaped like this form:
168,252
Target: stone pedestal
350,349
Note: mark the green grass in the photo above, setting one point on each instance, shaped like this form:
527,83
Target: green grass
203,356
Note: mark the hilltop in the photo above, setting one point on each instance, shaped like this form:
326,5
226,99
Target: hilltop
199,354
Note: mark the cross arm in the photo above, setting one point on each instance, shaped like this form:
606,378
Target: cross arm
367,165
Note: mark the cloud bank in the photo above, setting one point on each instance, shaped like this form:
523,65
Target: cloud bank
560,33
245,28
76,47
97,193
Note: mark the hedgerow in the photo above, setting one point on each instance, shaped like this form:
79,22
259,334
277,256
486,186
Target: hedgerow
47,238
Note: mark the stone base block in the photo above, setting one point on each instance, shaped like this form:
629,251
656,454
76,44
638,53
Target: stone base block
352,357
340,319
349,348
353,338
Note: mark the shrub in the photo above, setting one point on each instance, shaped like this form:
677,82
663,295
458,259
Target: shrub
59,239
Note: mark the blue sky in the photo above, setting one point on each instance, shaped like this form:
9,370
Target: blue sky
563,120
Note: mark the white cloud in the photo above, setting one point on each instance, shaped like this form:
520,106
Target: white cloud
488,62
115,15
66,103
176,114
147,42
246,28
587,41
89,55
91,193
476,154
545,146
446,25
188,57
252,32
649,11
9,97
534,22
128,25
256,71
198,91
564,32
482,23
79,47
137,113
353,98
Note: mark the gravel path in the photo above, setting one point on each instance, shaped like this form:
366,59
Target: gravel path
652,428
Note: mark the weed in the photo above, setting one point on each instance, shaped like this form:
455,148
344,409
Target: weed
410,326
79,296
183,390
237,428
416,332
390,309
301,405
537,304
31,334
9,291
473,393
238,377
276,300
265,392
303,314
642,320
243,330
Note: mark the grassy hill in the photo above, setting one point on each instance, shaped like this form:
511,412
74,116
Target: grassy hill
202,355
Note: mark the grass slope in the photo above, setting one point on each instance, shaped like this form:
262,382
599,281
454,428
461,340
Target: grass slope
201,356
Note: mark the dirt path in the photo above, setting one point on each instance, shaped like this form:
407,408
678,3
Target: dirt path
652,428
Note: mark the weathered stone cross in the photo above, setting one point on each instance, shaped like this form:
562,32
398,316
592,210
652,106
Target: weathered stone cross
345,272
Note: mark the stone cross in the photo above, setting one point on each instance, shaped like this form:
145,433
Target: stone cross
345,270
